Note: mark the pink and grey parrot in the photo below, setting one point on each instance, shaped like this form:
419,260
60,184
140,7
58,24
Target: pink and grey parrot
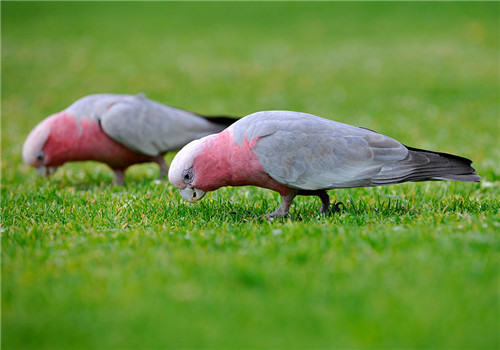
119,130
296,153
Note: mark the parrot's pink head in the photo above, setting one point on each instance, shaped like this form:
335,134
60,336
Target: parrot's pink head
181,173
45,148
215,161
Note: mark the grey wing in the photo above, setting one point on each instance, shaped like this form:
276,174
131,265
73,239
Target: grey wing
310,153
151,128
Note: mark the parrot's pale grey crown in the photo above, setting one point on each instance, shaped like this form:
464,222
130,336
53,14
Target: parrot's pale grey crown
33,148
297,153
181,173
119,130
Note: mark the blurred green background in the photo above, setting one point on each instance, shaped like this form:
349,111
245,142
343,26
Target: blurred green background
87,265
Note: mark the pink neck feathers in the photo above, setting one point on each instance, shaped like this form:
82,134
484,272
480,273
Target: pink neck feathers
69,141
225,163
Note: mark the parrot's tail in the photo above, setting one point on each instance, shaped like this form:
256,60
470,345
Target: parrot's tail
423,165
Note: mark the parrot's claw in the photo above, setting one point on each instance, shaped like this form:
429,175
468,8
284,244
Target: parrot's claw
337,207
276,214
282,211
332,209
325,209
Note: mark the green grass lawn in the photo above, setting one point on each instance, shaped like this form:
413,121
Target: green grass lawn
88,265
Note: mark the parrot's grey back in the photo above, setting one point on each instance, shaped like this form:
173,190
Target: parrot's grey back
310,153
141,124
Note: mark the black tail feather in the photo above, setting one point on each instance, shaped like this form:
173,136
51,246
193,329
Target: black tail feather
442,154
423,165
221,120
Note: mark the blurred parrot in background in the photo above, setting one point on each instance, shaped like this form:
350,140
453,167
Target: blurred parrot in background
119,130
296,153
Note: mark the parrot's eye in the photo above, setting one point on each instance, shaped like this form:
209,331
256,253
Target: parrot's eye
40,156
188,175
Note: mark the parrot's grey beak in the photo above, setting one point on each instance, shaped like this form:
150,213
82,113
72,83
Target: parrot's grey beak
46,170
191,194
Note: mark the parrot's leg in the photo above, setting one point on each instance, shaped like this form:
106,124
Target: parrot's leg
286,201
325,202
163,166
119,176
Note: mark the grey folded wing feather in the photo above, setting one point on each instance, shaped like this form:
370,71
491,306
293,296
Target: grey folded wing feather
151,128
307,152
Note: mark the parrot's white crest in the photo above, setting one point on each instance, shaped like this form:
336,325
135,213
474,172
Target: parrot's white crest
184,160
33,146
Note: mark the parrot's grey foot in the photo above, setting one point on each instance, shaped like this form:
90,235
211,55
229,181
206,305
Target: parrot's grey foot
163,166
284,208
119,177
276,214
326,208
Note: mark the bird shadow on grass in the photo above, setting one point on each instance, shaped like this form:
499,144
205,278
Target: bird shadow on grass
363,212
241,213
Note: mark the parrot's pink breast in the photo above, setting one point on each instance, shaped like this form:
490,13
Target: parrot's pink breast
225,163
87,141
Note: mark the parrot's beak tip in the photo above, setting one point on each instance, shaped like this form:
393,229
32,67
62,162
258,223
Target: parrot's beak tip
191,194
45,170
